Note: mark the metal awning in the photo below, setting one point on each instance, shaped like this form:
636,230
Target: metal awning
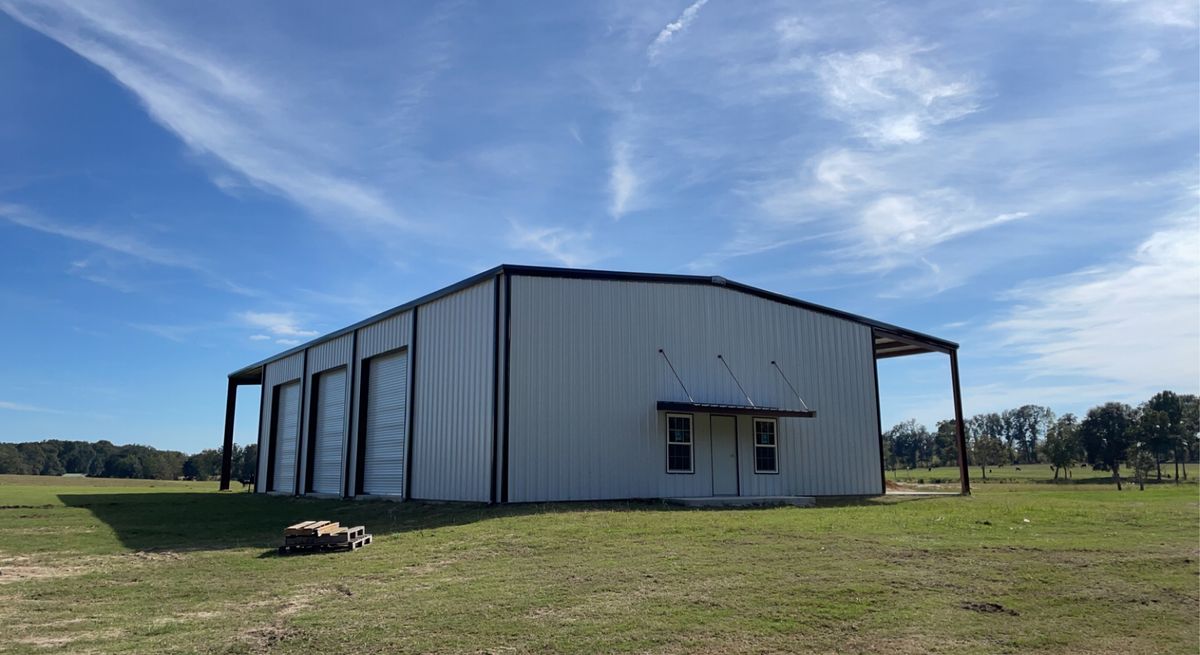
718,408
894,344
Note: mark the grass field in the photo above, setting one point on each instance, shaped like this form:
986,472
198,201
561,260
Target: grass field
119,566
1039,473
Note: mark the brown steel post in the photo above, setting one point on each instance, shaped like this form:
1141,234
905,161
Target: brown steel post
227,445
959,431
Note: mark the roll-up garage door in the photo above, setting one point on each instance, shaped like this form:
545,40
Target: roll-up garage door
387,416
287,423
331,425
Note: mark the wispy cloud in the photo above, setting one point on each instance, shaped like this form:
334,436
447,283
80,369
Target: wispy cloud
22,407
898,223
1135,322
98,236
673,28
560,244
1163,13
894,95
623,182
176,333
117,242
284,327
255,124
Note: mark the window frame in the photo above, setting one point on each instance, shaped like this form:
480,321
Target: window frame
774,444
691,444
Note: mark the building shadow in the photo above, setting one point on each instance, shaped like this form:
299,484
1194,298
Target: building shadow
179,521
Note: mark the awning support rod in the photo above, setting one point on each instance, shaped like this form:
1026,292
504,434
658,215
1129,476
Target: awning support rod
789,383
684,387
735,381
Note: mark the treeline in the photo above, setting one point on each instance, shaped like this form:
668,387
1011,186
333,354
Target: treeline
1165,428
103,459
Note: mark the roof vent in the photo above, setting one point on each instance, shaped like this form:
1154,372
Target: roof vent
719,281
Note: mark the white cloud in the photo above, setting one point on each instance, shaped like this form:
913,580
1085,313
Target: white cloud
257,125
22,407
673,28
288,342
890,97
117,242
1134,322
1162,13
98,236
623,182
562,245
898,223
278,324
260,337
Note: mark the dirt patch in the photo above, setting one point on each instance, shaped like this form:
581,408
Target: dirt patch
264,639
156,555
20,572
989,608
43,641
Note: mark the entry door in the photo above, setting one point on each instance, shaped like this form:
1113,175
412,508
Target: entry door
387,419
331,425
724,456
287,432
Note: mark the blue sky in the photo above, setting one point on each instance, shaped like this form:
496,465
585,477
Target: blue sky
186,188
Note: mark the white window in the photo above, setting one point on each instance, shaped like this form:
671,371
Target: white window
765,448
679,443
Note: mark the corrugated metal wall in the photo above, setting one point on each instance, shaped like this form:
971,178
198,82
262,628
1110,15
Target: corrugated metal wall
322,357
274,373
586,374
381,337
452,412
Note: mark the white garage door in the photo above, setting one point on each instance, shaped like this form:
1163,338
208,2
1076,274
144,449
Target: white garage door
387,422
287,424
331,425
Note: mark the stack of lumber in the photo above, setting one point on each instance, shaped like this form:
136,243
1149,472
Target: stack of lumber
317,536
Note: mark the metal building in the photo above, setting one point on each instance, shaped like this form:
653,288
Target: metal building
525,384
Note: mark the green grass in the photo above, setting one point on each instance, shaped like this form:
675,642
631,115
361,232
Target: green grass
107,566
1007,474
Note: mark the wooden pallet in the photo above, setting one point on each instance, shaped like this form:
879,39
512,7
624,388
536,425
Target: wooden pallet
342,535
321,536
311,529
353,544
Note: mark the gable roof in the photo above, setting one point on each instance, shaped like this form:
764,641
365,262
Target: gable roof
884,331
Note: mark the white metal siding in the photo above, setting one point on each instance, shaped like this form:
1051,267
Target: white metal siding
274,373
286,424
452,379
330,431
386,424
322,357
382,336
586,375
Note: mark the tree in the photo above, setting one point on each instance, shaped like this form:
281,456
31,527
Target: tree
1024,427
1189,428
911,443
945,442
124,465
1062,446
988,450
247,468
990,425
1155,434
1143,461
11,461
1172,438
1106,433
